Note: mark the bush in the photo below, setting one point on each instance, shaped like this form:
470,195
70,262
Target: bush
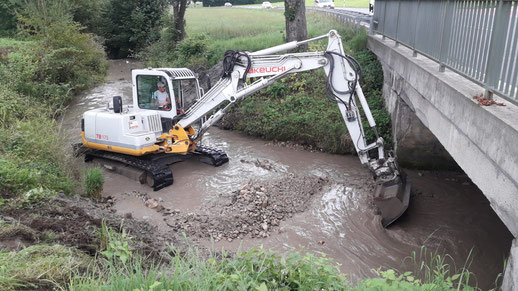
94,182
8,18
129,26
32,156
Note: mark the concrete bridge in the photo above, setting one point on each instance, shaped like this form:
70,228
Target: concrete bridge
436,57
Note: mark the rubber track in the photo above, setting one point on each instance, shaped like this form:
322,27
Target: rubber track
156,165
211,156
160,172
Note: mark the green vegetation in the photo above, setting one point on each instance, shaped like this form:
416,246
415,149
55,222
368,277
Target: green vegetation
256,269
130,25
94,182
40,266
115,246
50,61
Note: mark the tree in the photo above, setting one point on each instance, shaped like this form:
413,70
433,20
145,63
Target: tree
295,15
130,25
8,18
179,7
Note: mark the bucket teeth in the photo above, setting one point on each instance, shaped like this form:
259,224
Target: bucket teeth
392,199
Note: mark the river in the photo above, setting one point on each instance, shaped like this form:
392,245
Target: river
447,212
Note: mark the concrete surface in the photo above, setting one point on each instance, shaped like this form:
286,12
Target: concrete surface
483,140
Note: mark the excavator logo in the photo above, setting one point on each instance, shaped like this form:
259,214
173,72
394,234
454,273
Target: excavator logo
267,70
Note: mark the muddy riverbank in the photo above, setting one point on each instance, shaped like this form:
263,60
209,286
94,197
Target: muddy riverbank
284,197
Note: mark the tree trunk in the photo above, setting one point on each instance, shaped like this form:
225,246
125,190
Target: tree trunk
295,15
179,7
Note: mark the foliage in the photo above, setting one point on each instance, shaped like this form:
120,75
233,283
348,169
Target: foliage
115,246
437,270
35,196
62,60
8,18
40,265
191,52
257,269
128,26
94,182
32,156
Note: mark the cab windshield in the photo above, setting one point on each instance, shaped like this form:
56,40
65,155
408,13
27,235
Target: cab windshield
153,93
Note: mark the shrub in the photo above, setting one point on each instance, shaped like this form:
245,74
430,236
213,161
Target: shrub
94,182
8,16
128,26
115,246
32,156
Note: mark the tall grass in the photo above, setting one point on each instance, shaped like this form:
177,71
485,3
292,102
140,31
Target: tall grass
257,269
435,268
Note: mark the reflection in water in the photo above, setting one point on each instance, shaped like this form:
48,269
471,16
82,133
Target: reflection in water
445,212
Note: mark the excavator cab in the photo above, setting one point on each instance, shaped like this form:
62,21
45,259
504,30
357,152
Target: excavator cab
178,83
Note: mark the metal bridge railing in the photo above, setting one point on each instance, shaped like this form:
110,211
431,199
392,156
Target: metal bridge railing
476,38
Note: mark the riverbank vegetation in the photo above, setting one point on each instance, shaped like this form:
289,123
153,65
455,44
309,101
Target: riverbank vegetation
49,55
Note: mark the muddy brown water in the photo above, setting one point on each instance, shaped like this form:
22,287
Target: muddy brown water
447,211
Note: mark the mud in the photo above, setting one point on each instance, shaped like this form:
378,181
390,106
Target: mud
76,221
325,205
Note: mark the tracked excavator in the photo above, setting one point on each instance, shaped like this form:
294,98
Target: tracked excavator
151,134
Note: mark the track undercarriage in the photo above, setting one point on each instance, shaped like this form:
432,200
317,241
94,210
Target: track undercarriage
153,169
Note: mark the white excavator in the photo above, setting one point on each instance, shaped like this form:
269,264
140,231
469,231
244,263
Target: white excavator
155,132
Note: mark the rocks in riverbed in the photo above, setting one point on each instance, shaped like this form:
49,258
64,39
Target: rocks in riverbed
255,210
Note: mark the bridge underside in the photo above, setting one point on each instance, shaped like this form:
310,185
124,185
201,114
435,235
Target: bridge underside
483,140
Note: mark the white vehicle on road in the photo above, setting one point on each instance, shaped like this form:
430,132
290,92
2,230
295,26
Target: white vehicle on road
325,4
228,4
266,5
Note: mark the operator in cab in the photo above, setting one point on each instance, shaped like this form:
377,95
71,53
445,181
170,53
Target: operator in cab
161,97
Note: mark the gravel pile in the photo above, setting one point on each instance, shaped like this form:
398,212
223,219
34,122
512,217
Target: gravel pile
255,210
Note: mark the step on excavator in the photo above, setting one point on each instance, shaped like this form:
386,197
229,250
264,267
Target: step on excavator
155,131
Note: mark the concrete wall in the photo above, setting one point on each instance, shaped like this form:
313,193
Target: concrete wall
483,140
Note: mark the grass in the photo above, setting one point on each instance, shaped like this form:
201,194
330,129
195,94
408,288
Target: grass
338,4
94,182
259,269
253,32
40,265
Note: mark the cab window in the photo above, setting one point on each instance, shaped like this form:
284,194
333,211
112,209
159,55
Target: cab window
150,96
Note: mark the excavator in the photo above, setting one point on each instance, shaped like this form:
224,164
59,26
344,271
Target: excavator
152,134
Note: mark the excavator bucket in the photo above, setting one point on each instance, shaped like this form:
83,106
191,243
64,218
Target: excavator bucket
392,198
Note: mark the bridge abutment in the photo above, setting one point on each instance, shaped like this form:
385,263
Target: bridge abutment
483,140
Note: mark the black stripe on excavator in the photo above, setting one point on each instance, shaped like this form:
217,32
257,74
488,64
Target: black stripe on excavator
82,124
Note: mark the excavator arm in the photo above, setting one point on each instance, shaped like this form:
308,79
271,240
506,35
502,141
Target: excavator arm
343,86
